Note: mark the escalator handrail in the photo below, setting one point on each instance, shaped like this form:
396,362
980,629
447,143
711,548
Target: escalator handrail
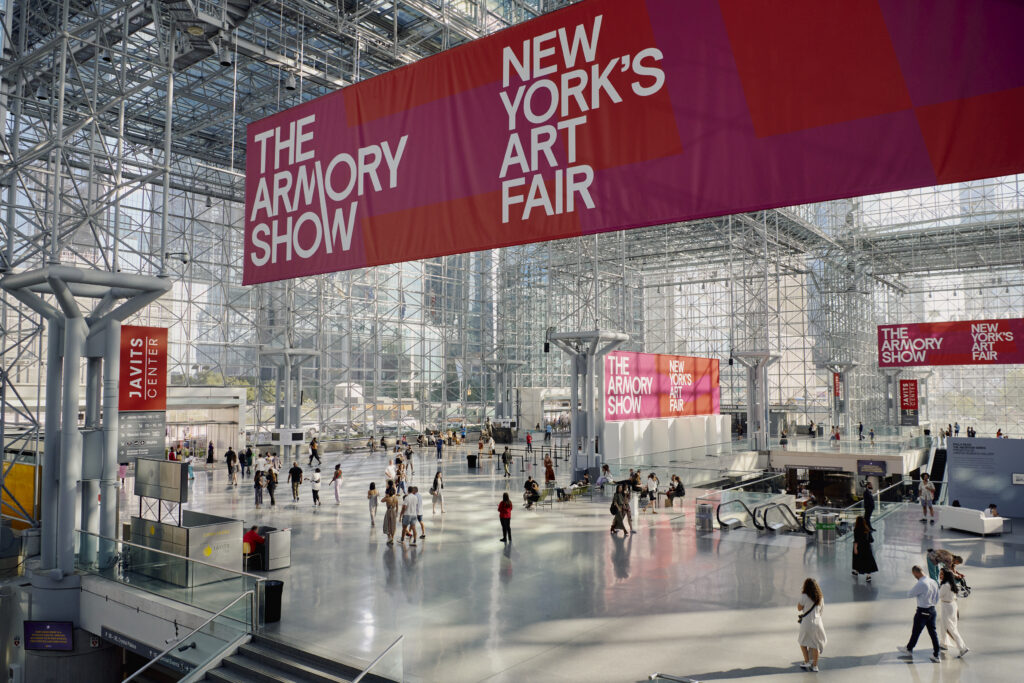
793,521
718,512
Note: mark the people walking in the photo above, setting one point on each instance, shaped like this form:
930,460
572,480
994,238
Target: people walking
547,433
490,446
949,611
869,503
247,469
271,478
926,494
812,637
295,479
860,431
336,481
371,498
315,485
232,462
437,492
863,557
506,460
505,517
549,470
620,511
415,490
440,447
926,593
257,485
409,518
314,452
390,513
871,435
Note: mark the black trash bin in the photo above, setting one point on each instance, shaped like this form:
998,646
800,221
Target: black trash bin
471,461
272,592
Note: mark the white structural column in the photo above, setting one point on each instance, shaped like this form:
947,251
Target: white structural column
758,421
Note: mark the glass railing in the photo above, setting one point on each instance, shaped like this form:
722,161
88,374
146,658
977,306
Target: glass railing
387,665
887,501
752,492
191,654
185,580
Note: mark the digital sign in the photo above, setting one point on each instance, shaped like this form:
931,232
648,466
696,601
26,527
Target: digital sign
964,342
49,635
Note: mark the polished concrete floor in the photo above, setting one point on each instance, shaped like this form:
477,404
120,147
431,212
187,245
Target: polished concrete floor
569,602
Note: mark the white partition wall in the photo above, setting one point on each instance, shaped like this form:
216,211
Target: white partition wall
611,440
659,441
644,438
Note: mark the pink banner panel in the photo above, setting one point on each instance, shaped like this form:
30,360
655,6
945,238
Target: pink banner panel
608,115
649,385
966,342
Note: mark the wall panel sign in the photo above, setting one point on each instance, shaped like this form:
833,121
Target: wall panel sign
965,342
609,115
872,468
142,393
650,385
908,403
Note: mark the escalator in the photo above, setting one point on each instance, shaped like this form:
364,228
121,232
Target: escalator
778,517
938,472
733,521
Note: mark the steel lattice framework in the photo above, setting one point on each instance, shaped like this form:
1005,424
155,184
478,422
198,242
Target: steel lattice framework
123,149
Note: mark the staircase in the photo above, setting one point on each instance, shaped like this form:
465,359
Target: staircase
264,660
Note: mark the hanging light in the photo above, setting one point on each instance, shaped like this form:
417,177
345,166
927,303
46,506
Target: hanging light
224,57
42,93
289,83
106,56
209,202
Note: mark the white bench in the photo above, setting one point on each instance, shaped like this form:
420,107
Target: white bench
966,519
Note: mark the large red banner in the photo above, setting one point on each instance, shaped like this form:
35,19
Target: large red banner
649,385
143,384
965,342
608,115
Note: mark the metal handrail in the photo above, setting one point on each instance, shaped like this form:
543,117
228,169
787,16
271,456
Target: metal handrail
377,659
191,633
792,521
255,577
718,512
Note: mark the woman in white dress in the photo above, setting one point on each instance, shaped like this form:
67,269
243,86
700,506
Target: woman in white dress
949,611
812,628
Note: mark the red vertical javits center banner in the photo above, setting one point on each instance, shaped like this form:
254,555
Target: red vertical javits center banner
908,402
143,384
649,385
607,115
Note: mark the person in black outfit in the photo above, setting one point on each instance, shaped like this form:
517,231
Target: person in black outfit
295,478
869,504
248,461
532,492
863,557
314,452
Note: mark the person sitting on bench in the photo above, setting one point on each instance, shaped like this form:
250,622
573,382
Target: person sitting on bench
532,492
256,545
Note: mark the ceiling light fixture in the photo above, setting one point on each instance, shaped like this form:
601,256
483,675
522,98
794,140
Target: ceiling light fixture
41,92
289,83
194,30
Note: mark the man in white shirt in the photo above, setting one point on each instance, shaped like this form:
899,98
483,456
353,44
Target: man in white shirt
409,507
261,463
926,494
926,592
390,471
419,511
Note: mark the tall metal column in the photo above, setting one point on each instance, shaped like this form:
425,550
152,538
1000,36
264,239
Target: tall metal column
758,418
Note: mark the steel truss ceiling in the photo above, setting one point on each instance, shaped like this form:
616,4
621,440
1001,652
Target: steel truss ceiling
123,136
